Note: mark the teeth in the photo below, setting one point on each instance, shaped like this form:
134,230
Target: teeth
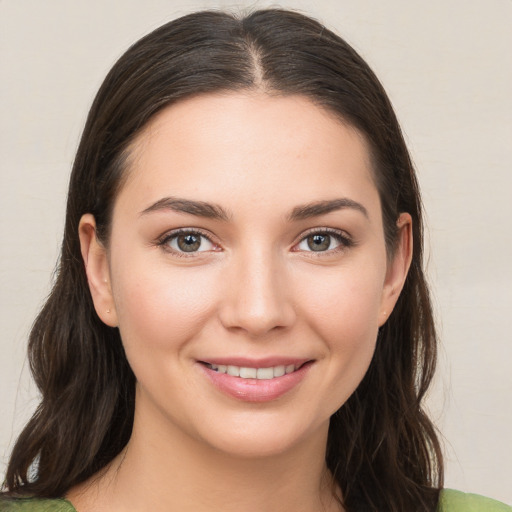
279,371
248,373
231,370
265,373
290,368
254,373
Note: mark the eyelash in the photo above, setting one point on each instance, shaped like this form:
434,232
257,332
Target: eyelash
341,237
344,240
164,240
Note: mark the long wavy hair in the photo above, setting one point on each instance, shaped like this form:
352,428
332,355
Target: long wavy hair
382,449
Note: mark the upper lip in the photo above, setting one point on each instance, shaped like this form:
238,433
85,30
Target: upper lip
246,362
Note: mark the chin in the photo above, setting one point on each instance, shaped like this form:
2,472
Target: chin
258,438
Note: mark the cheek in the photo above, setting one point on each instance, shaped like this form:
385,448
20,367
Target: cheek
343,310
162,307
344,302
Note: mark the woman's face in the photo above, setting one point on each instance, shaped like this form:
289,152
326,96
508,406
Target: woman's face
246,270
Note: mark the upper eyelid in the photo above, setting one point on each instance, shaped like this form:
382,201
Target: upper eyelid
323,229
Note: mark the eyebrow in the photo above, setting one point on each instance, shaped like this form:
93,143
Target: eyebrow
214,211
198,208
316,208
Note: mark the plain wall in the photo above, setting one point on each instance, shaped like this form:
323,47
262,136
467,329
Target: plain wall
446,66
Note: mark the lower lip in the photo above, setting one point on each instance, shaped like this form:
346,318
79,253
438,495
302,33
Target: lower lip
256,390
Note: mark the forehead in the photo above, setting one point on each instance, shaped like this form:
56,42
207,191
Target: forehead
248,147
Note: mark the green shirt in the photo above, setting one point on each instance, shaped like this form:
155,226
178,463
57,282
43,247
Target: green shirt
35,505
451,501
456,501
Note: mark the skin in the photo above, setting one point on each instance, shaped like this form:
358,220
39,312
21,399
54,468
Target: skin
255,289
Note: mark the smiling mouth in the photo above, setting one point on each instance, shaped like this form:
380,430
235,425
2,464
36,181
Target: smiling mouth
256,380
245,372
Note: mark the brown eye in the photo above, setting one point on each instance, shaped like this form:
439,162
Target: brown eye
319,242
189,243
328,241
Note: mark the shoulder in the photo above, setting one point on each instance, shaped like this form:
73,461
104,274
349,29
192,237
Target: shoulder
456,501
35,505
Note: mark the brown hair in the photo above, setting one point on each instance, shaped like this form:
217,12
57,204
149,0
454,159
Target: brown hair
382,449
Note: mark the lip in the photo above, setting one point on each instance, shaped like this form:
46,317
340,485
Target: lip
256,390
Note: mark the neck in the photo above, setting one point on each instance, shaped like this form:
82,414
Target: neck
169,470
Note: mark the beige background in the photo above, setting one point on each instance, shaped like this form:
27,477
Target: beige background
446,65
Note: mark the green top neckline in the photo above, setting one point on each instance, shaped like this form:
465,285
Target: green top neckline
450,501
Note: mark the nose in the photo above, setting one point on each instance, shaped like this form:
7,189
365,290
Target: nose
257,297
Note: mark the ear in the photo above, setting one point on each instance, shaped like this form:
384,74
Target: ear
97,269
398,267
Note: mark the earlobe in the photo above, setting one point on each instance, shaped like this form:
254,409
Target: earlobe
398,267
94,255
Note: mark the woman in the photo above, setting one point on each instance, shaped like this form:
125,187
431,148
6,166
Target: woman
240,319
